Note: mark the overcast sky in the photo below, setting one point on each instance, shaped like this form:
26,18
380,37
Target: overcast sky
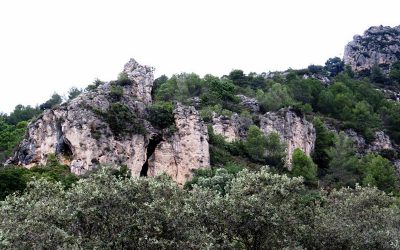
48,46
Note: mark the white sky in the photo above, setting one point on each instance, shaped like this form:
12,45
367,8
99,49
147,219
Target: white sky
48,46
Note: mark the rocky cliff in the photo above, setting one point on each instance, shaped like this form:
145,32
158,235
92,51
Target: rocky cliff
83,132
293,129
379,45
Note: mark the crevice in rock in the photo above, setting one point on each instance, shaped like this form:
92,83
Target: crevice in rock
63,145
151,147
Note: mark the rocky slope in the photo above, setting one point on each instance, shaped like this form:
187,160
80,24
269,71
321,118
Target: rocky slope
79,133
379,45
294,130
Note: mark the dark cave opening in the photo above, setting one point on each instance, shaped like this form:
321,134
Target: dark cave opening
64,148
151,147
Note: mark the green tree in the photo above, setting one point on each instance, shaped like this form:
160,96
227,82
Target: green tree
324,141
364,119
158,82
334,66
21,113
360,218
123,79
264,210
343,164
54,100
394,73
377,75
275,150
378,171
277,97
256,144
160,114
302,165
10,137
73,93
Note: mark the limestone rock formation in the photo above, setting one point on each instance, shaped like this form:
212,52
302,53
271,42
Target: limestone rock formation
186,150
250,103
232,128
81,134
379,45
381,141
293,129
142,79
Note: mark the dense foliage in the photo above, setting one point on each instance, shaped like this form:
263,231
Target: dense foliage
14,179
245,210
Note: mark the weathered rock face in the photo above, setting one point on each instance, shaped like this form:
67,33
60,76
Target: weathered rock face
186,150
232,128
380,142
294,130
142,78
250,103
79,135
80,138
379,45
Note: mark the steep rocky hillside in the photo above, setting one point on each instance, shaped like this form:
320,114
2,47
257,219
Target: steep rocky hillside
184,123
380,45
108,126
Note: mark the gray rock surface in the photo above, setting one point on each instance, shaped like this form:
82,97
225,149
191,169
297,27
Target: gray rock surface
379,45
232,128
293,129
249,103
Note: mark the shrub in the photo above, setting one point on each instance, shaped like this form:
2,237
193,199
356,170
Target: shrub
116,93
256,144
302,165
123,79
123,121
160,114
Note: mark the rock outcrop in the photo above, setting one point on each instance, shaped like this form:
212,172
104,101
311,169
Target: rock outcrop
381,142
250,103
232,128
186,150
79,133
379,45
293,129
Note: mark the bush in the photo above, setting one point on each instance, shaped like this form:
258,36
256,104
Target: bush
123,79
223,210
116,93
302,165
256,144
14,179
123,121
379,172
160,114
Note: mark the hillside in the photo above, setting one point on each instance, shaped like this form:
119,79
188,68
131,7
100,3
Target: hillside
317,148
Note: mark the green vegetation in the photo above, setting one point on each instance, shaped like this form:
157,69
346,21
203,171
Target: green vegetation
394,73
122,120
123,79
14,179
241,210
160,114
92,87
116,93
55,100
304,166
10,137
73,93
239,202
